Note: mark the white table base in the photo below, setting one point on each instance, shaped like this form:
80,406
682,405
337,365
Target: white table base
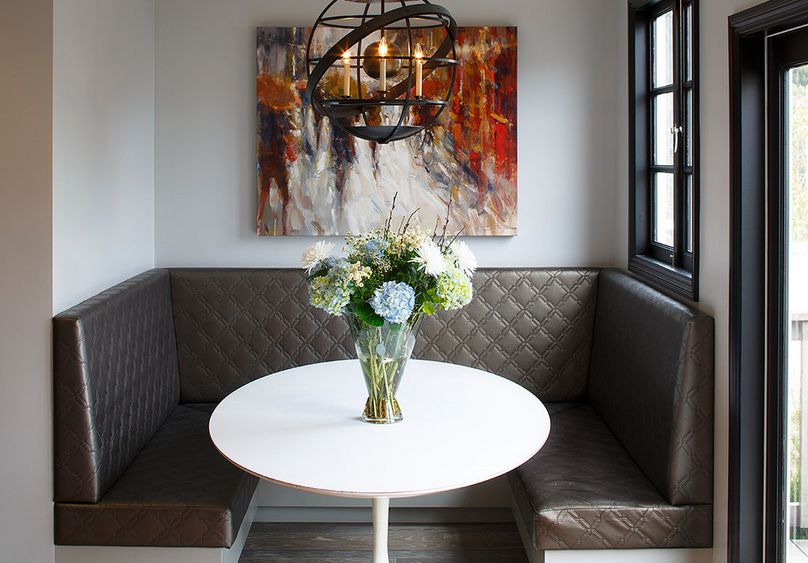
381,517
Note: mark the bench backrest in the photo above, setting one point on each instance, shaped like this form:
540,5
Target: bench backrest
531,325
115,381
651,379
237,325
125,358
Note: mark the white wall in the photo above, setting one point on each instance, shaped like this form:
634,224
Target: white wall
205,104
103,145
573,150
714,285
26,528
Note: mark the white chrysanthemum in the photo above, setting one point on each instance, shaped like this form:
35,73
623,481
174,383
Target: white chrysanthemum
466,260
430,259
315,254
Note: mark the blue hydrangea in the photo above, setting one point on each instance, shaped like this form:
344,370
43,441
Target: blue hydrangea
394,302
335,262
375,248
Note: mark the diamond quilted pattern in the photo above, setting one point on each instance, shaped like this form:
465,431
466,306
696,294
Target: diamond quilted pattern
533,326
650,346
178,491
583,491
115,381
233,326
633,468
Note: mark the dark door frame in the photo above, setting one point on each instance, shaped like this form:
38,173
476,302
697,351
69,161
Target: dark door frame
755,527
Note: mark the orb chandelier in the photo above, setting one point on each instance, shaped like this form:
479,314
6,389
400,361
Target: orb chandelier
381,70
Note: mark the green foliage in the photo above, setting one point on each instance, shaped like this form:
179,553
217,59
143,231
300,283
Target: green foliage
365,313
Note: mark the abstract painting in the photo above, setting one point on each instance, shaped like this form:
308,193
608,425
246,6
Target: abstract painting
314,179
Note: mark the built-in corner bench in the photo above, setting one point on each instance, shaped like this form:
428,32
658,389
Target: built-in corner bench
626,373
135,467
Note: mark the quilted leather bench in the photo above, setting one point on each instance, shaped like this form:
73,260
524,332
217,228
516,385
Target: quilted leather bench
626,373
134,465
629,460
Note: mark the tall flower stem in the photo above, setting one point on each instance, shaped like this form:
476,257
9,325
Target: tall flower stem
383,353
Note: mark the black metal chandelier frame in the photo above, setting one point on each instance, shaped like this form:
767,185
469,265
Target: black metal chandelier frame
344,111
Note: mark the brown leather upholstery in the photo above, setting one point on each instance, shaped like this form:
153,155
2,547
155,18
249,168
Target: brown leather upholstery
115,381
531,325
132,468
177,492
651,380
626,371
235,326
583,490
633,468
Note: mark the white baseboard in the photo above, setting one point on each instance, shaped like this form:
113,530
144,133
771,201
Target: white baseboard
607,555
629,556
486,502
233,554
111,554
491,494
533,554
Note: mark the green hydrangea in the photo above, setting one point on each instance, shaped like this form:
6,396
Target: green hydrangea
330,292
454,289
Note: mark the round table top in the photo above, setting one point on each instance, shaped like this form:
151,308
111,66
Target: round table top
302,428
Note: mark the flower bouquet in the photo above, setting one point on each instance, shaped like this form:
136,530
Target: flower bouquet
387,281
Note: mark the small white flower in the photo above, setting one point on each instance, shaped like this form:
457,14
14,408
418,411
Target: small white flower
315,254
466,260
430,259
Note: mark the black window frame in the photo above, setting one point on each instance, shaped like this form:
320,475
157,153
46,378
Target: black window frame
674,269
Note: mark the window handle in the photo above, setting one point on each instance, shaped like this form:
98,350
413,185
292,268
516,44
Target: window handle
676,132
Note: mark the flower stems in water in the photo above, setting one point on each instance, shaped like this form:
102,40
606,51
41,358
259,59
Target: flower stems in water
383,353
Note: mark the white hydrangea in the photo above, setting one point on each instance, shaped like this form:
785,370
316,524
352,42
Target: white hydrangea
316,254
430,259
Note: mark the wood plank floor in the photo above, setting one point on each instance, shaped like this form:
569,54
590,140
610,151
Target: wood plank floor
409,543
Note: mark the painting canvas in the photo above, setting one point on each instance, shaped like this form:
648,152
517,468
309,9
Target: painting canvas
313,179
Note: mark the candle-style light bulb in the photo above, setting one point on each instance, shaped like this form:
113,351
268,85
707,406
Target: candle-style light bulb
419,71
383,65
346,61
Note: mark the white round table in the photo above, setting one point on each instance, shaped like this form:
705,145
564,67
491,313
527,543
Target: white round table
301,428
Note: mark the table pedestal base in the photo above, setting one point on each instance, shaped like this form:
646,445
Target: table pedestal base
381,512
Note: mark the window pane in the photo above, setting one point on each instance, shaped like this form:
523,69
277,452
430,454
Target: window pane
689,128
663,123
663,50
689,213
795,509
663,208
689,42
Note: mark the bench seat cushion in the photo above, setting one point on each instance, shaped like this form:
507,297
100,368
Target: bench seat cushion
583,491
177,492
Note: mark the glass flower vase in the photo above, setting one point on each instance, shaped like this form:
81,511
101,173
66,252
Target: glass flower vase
383,352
